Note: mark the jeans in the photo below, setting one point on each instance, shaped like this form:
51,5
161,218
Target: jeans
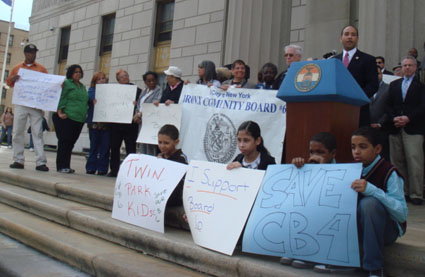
8,129
376,229
98,159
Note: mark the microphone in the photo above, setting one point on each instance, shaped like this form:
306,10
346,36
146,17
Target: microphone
329,55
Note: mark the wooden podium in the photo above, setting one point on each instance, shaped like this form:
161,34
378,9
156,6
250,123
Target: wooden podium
321,96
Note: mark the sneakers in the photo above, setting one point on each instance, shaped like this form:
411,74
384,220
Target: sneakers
31,149
286,261
42,167
302,264
17,165
66,170
376,273
321,268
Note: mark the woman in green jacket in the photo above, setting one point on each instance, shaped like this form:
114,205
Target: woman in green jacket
70,117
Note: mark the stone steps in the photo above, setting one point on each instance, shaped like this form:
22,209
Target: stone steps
83,204
90,254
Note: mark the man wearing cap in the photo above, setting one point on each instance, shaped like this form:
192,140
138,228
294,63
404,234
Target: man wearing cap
22,113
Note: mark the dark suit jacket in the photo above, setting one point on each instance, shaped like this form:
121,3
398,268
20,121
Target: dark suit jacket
378,103
413,106
363,68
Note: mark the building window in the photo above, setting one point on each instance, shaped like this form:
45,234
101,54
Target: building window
11,40
164,21
6,74
63,49
3,93
9,57
64,44
108,25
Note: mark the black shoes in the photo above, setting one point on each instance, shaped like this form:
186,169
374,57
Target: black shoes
42,167
17,165
416,201
110,174
101,173
91,172
66,170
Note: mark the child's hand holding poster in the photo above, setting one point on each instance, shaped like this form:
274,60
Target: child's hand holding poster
143,186
306,214
217,202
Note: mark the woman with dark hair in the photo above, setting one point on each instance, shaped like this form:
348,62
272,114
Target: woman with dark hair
6,126
122,131
99,134
150,94
70,117
238,81
207,74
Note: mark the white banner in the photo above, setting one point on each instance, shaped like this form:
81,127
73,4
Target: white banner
217,203
212,116
115,103
153,118
37,90
142,189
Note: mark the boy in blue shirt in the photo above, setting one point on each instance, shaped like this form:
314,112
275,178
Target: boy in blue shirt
381,208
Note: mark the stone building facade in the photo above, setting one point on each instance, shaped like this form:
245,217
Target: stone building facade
18,40
217,30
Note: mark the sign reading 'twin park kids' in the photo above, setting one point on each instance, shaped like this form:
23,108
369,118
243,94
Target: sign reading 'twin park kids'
143,186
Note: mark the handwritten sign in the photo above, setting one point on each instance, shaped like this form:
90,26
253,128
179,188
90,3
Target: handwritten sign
155,117
307,214
217,202
212,116
115,103
38,90
143,186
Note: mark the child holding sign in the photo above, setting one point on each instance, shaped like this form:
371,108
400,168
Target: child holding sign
254,154
381,209
168,139
322,151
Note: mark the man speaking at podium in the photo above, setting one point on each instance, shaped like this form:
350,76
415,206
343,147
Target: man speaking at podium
362,67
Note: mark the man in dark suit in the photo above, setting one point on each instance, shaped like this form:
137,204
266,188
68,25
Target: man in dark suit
378,115
380,61
293,53
406,123
362,67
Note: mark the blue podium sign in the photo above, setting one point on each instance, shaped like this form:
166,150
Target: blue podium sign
321,81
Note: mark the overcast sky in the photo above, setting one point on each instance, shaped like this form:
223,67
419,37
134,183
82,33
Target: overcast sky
21,13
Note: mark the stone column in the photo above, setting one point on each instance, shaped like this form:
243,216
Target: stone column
256,32
324,21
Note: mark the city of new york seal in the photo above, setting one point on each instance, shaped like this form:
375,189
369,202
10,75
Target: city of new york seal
220,139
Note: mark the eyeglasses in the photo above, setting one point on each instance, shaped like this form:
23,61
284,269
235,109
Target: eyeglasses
289,55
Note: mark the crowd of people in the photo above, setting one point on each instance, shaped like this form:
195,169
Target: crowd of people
391,126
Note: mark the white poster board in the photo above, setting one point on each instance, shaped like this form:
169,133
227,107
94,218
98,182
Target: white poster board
115,103
386,78
37,90
217,203
212,116
308,213
142,189
153,118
